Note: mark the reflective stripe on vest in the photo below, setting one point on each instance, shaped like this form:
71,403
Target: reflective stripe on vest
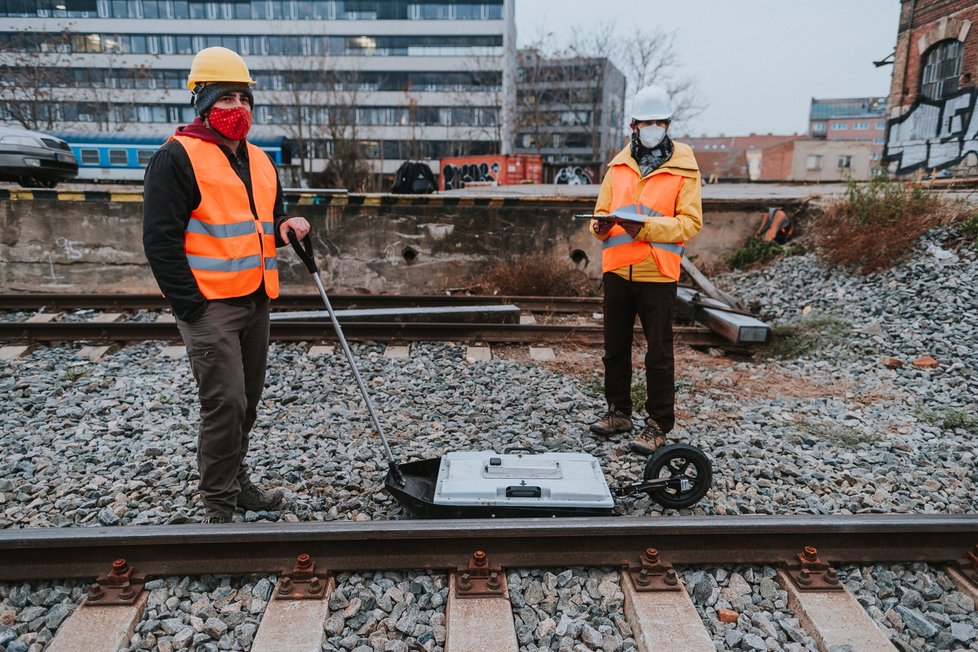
655,195
230,250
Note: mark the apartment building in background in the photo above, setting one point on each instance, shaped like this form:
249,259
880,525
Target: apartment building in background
932,125
857,119
733,158
405,79
571,113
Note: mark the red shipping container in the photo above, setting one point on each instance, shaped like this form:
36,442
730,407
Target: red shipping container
489,170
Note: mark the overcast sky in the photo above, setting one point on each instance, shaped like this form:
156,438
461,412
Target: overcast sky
758,63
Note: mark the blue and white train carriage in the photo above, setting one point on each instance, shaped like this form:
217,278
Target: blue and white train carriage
122,158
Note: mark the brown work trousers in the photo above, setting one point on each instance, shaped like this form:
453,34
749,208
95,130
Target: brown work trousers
653,303
228,350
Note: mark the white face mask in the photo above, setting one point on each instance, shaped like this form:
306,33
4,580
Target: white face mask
651,135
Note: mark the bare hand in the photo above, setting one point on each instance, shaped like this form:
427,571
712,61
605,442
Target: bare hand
297,225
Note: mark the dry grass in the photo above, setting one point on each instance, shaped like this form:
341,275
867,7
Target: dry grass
878,223
533,276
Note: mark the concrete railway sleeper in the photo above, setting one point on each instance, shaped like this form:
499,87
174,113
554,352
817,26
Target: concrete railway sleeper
572,584
719,607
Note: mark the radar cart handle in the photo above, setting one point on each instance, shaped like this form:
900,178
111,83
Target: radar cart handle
304,251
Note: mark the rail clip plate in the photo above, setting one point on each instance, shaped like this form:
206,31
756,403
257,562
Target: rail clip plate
120,586
810,573
303,583
968,568
653,574
480,581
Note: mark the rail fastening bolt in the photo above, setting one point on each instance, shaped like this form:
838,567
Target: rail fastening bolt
119,567
643,578
479,558
810,553
465,581
126,591
493,581
286,586
651,555
95,591
315,585
804,577
831,577
671,579
303,561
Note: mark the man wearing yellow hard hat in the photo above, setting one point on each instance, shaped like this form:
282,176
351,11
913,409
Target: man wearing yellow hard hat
212,218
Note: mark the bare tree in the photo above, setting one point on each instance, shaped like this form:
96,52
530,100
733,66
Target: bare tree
483,100
27,90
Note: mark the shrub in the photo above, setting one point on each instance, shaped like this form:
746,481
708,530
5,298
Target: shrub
877,223
534,276
761,251
804,337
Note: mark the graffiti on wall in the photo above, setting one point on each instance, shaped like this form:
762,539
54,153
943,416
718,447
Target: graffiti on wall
934,134
574,175
456,176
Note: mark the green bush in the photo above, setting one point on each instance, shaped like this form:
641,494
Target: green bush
761,251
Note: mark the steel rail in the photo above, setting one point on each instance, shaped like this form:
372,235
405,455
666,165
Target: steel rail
37,301
60,553
127,331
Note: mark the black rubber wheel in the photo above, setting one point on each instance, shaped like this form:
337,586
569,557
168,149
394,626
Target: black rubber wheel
689,473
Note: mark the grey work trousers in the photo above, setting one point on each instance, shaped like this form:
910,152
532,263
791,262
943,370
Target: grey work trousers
228,350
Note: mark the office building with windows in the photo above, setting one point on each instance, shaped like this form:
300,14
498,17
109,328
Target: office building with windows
860,119
571,112
403,79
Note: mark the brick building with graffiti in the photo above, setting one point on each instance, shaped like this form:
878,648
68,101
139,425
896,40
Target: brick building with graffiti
933,121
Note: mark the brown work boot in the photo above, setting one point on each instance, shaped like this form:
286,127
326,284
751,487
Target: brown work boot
650,439
613,422
259,500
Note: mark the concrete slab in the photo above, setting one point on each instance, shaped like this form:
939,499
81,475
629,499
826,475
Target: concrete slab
528,319
397,351
174,352
835,619
43,317
321,350
294,625
166,318
479,624
542,354
8,353
94,353
664,621
478,354
99,629
106,317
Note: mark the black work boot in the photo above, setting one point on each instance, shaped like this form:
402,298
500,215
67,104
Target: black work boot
613,422
650,439
259,500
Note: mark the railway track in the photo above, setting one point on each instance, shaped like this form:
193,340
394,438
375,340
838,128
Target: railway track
570,318
650,555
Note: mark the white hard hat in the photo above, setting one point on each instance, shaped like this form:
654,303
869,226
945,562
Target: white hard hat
651,103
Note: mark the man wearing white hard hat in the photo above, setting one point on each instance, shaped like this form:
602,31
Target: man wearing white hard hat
212,218
651,195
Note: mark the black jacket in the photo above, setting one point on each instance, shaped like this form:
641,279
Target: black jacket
170,193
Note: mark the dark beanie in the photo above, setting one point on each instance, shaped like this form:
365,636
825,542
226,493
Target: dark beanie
205,95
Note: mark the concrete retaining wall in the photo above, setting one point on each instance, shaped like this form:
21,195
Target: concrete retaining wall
51,241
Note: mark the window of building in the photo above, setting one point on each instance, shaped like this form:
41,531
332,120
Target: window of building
840,126
942,70
814,162
861,126
818,127
881,125
845,161
879,140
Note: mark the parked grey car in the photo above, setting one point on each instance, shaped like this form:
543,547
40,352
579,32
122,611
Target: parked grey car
35,159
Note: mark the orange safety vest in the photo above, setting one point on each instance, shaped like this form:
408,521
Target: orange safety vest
230,249
658,197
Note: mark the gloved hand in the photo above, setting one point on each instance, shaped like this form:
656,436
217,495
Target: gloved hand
632,228
602,226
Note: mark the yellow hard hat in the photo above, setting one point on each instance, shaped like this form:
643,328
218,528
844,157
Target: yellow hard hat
217,64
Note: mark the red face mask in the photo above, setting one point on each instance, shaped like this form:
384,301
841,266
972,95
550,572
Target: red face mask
230,123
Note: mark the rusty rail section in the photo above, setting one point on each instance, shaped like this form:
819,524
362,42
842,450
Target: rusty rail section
128,331
38,301
56,553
